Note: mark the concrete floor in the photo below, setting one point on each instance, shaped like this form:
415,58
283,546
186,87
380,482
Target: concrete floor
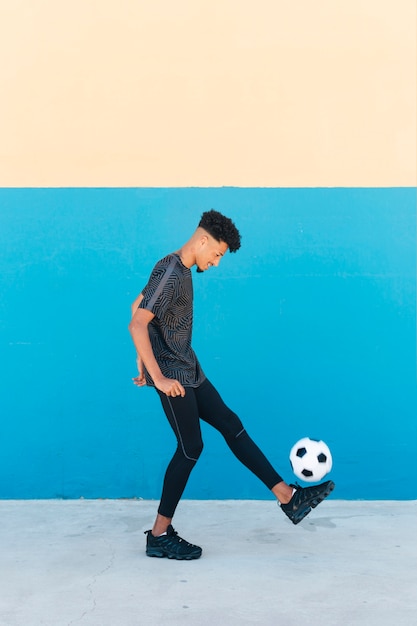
83,563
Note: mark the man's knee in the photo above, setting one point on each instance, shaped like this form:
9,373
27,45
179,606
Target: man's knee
193,451
233,427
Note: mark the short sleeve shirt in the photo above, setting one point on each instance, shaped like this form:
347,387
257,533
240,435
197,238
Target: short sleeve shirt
169,296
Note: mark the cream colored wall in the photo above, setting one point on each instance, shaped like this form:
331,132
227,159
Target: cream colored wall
208,93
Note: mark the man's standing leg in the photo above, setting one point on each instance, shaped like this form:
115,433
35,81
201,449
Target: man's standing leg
182,414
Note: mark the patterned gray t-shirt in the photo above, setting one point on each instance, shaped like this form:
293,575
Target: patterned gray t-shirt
169,296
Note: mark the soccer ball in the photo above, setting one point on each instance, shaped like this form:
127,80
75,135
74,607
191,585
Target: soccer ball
310,459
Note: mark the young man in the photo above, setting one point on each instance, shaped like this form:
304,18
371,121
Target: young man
161,328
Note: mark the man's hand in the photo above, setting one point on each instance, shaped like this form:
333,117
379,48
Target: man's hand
170,387
139,380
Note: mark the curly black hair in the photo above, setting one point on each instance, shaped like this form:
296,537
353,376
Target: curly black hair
221,228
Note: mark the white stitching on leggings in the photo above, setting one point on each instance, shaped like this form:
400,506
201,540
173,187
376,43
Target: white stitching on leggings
179,432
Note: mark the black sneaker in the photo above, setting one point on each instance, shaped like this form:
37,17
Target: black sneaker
171,546
305,499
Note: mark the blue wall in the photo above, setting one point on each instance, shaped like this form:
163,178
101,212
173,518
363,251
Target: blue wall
310,329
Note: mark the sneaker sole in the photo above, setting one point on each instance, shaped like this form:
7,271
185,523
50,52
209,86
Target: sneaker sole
323,495
159,554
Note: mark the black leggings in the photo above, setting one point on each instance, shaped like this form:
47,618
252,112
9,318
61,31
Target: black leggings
184,415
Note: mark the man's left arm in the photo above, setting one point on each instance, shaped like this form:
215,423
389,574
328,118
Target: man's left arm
138,380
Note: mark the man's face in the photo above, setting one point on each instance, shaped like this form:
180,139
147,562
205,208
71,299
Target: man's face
209,253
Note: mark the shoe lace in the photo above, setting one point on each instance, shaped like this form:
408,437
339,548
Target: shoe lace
174,533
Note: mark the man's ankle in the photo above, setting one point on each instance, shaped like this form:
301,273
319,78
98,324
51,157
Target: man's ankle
161,525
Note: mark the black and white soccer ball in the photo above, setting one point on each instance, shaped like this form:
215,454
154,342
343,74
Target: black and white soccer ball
310,459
